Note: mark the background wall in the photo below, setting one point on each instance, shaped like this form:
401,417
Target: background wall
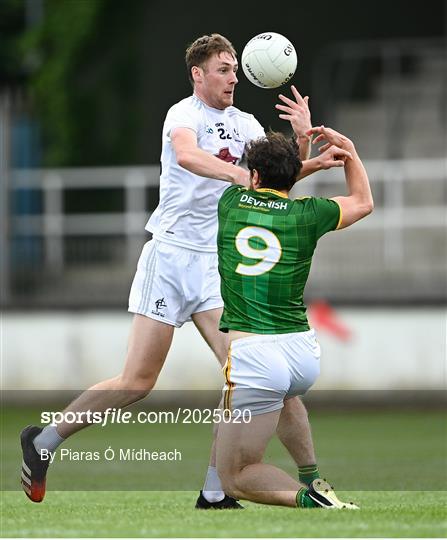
389,349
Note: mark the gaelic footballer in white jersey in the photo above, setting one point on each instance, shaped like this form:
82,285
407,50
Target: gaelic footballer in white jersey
187,212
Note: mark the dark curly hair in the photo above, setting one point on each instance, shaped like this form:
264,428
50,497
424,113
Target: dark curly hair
276,158
203,48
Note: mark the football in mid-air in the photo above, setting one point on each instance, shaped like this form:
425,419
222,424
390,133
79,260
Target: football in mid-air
269,60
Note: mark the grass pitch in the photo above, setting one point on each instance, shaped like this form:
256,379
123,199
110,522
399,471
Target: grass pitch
393,464
171,514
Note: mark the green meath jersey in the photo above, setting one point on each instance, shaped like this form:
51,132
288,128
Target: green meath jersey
265,246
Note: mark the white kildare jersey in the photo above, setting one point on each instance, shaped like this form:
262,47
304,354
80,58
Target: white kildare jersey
187,212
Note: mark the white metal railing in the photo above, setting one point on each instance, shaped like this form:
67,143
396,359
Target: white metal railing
391,218
53,224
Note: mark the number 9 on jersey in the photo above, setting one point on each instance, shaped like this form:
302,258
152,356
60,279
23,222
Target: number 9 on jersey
267,257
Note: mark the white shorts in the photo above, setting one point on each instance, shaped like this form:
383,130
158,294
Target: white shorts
262,371
171,283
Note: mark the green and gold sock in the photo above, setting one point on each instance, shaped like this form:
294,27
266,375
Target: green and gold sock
303,500
308,473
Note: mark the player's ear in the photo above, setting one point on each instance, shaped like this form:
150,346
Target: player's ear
196,74
255,179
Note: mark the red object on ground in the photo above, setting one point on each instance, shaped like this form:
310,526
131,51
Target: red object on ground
323,317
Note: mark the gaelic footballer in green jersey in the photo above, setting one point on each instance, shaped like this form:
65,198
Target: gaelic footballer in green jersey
265,243
265,246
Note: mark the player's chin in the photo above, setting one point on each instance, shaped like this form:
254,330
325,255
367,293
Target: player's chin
228,98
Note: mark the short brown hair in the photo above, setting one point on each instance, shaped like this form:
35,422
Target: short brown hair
276,158
203,48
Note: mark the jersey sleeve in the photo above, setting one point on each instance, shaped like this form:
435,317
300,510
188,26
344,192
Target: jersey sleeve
328,215
254,129
180,115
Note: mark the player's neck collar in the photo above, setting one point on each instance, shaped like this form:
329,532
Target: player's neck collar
274,191
200,100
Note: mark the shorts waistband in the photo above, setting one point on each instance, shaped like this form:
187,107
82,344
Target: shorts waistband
267,338
205,250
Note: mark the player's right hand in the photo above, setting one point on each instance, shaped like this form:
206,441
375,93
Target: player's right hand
241,177
331,137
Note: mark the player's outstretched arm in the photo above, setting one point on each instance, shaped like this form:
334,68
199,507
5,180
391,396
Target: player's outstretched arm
298,114
359,201
194,159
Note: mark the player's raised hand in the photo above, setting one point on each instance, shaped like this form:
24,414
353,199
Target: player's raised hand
296,112
331,137
333,156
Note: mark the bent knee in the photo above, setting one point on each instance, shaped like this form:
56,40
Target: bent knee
230,480
230,486
138,386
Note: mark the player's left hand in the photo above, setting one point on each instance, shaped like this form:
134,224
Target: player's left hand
333,156
296,112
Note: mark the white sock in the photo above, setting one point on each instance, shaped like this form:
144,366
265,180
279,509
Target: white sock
48,439
212,490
